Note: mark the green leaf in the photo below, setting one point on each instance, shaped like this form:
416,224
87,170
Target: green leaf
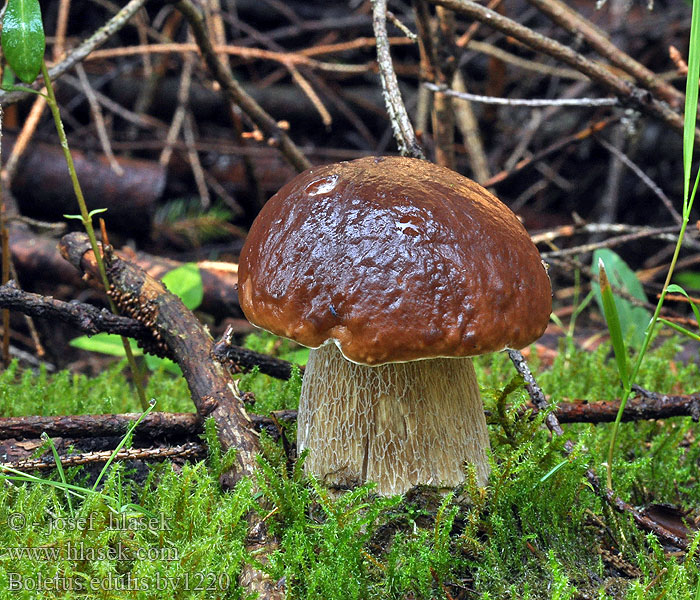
186,282
91,214
156,362
633,319
106,343
23,39
677,289
613,321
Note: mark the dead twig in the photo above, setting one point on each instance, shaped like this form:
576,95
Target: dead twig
84,317
532,103
551,149
189,450
400,123
666,201
663,233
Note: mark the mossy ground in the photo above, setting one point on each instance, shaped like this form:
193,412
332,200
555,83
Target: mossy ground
535,532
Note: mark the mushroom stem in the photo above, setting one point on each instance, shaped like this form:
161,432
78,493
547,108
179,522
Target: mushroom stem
398,424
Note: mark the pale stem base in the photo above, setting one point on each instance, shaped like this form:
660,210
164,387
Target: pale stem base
398,425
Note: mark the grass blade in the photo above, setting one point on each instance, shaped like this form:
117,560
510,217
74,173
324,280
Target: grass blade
691,102
613,321
59,468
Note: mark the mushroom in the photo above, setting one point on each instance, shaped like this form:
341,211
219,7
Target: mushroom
394,271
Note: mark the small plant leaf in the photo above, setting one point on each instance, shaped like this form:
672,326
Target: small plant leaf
677,289
688,279
23,40
106,343
186,282
613,321
91,214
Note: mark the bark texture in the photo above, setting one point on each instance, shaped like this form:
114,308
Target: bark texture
399,424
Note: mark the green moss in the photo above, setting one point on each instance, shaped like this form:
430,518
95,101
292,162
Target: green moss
64,393
534,532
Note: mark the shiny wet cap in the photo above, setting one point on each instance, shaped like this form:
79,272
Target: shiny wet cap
393,259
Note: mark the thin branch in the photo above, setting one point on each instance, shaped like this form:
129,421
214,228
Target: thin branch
524,63
285,58
141,120
468,126
84,317
97,117
643,176
535,391
190,450
663,233
403,130
534,103
551,149
183,95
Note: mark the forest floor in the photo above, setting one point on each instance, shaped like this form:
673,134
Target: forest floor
536,531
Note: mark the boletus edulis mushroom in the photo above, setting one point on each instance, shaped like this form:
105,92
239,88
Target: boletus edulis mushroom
394,271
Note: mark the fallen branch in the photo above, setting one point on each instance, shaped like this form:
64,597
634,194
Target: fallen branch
155,426
177,331
639,408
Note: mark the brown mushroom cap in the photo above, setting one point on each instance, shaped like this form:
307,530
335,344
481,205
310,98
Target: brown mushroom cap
395,259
